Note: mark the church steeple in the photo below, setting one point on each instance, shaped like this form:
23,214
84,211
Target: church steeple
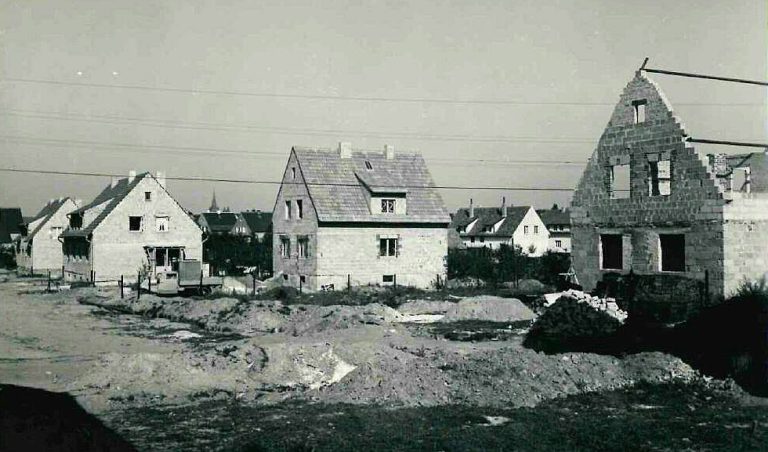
214,207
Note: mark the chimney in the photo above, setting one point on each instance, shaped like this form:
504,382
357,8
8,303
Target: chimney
345,149
504,206
114,182
471,208
389,152
131,176
160,176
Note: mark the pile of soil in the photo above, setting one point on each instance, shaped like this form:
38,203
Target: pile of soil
489,308
572,325
488,376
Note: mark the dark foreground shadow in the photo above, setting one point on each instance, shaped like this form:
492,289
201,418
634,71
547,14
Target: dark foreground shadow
729,340
37,420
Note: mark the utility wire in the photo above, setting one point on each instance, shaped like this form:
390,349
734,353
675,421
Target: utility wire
265,182
118,120
708,77
282,155
420,100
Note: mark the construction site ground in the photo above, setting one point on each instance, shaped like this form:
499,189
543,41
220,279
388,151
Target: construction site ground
234,374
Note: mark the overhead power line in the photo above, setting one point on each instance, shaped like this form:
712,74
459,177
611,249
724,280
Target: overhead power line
267,182
419,100
120,120
86,145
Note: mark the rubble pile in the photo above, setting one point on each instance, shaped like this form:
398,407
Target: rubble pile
607,305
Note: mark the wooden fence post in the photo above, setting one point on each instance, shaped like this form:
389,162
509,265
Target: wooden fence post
138,286
49,280
149,283
201,282
93,278
122,284
254,284
349,282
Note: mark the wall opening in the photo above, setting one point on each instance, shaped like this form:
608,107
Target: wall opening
740,180
672,252
640,113
619,175
611,252
659,174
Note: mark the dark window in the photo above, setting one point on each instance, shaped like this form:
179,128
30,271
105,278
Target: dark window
611,247
672,252
303,279
387,206
287,210
147,195
387,247
285,277
76,221
134,223
368,165
472,239
293,172
299,209
388,278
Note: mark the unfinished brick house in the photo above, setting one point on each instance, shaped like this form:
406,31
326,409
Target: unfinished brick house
492,227
344,216
133,224
650,202
39,248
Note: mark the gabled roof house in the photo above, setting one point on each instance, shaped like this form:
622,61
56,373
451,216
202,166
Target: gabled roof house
223,223
39,249
134,225
358,217
558,223
492,227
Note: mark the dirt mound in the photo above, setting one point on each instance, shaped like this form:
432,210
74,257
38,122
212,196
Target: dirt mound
571,325
425,307
489,308
306,319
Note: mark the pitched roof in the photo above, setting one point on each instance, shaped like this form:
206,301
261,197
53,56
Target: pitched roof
220,221
111,195
45,214
489,216
554,216
339,187
258,221
10,223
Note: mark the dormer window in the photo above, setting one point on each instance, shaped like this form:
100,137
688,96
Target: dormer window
387,206
368,166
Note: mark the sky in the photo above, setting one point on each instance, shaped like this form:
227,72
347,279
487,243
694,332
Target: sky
223,89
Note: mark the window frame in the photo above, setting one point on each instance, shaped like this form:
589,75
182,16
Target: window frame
302,247
640,106
167,223
285,247
130,223
288,207
388,206
388,247
147,196
299,209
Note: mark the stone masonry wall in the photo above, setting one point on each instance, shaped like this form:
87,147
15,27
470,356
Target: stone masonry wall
693,208
294,189
745,232
355,251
